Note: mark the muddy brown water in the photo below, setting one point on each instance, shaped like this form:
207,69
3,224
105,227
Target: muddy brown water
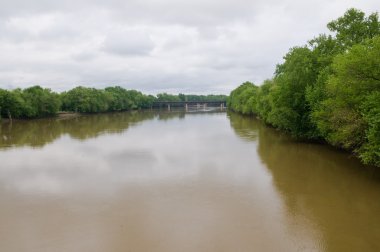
175,181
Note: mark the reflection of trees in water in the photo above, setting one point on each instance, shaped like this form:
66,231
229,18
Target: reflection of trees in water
37,133
334,191
245,126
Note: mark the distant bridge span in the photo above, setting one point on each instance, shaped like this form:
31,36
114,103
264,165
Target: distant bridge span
188,104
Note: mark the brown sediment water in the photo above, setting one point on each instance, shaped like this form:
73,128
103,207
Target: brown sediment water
176,181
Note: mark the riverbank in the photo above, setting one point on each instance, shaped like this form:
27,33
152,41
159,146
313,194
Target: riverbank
327,89
59,115
38,102
320,141
68,114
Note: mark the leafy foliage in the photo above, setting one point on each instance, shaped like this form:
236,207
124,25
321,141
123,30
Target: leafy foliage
37,102
242,98
349,117
326,90
29,103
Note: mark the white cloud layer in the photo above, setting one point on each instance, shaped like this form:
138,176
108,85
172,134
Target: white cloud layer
196,46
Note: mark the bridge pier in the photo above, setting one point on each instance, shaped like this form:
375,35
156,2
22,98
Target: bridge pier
168,107
186,107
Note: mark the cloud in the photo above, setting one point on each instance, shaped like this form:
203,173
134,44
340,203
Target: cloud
155,45
130,42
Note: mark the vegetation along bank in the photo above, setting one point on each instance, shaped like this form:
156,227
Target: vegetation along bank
36,102
327,90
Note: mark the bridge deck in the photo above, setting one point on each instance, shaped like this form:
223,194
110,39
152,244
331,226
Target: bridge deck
188,102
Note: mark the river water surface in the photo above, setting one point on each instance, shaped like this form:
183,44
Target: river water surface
175,181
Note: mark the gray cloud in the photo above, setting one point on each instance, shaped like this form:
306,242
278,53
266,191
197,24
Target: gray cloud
155,46
126,43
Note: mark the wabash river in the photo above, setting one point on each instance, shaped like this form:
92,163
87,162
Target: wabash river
175,181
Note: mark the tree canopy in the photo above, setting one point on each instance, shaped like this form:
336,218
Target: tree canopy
35,102
327,90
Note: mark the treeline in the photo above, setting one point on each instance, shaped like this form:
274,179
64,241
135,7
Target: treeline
28,103
327,90
35,102
91,100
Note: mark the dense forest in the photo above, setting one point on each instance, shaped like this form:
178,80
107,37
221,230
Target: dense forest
327,90
35,102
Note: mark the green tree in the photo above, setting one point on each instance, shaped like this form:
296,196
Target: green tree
119,99
12,104
354,27
243,98
40,102
291,111
264,104
349,114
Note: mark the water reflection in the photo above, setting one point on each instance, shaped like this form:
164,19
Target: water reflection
175,181
68,165
244,126
326,187
170,183
37,133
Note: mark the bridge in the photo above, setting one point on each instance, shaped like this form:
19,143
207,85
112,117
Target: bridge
189,104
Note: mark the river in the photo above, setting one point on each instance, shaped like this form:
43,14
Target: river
176,181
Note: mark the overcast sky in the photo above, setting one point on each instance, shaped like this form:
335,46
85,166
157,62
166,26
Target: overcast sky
193,46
